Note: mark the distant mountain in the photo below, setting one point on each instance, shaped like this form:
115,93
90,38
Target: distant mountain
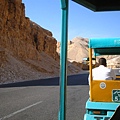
77,49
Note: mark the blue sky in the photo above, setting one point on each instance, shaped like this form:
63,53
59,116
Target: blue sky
82,21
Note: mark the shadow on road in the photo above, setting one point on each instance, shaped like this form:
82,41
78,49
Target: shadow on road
79,79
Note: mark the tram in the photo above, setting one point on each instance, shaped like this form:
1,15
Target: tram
104,94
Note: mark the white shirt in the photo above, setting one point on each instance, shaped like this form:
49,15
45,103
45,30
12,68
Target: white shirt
103,73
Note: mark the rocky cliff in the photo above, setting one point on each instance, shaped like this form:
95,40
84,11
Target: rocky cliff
20,35
27,51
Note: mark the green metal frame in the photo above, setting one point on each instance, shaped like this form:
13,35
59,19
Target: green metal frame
63,60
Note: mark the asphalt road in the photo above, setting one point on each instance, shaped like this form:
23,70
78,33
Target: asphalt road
39,99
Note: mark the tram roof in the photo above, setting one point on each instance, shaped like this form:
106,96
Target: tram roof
100,5
105,46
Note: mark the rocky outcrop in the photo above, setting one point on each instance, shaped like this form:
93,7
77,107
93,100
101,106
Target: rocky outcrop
20,35
27,51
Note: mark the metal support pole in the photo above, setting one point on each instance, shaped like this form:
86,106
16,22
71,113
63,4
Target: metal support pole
63,59
90,70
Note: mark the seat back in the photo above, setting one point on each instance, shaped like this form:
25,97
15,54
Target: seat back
105,91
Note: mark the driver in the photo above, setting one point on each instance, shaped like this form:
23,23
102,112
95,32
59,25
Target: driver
102,72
